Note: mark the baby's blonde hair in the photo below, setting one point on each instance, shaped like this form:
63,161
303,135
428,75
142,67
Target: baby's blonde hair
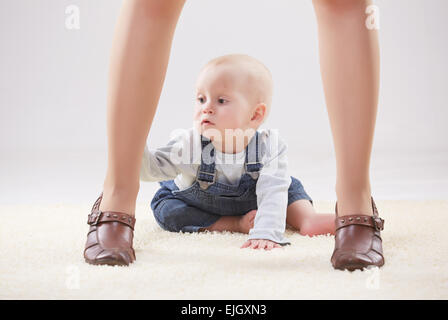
257,73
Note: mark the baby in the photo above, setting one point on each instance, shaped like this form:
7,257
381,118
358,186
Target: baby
229,175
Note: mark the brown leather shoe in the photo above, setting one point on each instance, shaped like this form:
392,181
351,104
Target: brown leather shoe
358,242
109,240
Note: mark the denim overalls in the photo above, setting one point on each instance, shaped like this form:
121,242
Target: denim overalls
206,200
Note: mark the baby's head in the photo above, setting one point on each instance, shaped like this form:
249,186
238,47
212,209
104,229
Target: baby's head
232,92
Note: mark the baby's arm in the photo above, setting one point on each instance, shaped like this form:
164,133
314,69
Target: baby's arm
272,198
162,163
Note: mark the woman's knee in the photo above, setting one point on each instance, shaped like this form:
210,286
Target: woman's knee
159,9
340,6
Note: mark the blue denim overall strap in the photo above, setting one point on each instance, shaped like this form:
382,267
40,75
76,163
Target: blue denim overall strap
251,167
206,175
206,172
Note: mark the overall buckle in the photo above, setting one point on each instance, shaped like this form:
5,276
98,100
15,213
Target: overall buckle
253,174
205,184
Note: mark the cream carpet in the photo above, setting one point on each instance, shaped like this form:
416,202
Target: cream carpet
41,258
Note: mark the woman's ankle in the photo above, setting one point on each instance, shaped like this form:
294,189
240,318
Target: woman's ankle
119,200
354,202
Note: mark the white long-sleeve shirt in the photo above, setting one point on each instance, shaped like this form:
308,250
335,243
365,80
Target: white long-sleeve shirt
181,157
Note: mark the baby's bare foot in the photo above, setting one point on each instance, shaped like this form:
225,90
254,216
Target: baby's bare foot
246,222
317,224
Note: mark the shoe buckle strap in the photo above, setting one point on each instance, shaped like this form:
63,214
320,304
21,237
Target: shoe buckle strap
93,218
374,222
101,216
378,223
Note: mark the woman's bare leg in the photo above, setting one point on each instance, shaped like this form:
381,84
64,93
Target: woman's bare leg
349,61
138,63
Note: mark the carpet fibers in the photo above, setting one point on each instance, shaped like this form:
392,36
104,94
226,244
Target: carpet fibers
41,258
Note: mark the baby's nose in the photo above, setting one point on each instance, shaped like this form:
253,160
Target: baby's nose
207,109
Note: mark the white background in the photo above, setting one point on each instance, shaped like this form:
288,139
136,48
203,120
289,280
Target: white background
53,86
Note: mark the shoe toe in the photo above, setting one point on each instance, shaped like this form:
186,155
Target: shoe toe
113,257
351,261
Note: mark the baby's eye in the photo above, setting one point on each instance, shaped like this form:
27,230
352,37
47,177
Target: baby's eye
201,99
221,100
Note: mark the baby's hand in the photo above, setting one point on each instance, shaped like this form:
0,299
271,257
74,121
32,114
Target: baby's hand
260,244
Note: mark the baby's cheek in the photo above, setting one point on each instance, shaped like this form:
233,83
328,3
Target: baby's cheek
238,123
232,120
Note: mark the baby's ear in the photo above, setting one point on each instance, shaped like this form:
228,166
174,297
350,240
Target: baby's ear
259,112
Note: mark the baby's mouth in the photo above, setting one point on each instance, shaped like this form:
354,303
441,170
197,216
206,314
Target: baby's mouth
206,122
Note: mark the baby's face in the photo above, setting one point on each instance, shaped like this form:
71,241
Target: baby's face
223,101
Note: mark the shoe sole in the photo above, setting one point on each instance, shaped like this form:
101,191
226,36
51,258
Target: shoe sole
108,262
353,267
